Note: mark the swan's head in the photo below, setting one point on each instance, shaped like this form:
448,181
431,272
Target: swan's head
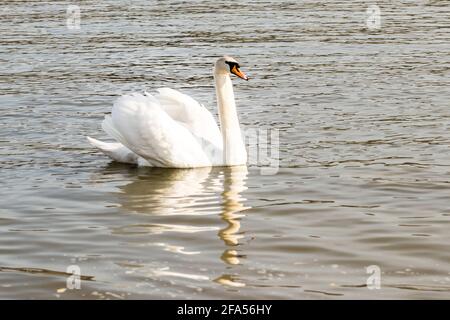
227,65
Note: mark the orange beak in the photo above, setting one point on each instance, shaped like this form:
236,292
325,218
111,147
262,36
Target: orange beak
239,73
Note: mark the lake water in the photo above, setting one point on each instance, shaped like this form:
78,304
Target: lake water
364,177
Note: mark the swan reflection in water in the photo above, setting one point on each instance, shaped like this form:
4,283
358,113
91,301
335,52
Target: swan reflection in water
169,194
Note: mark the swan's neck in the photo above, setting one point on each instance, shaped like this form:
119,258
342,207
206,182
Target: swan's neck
233,147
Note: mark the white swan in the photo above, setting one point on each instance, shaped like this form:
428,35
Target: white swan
172,130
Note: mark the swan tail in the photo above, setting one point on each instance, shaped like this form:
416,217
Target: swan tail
108,127
116,151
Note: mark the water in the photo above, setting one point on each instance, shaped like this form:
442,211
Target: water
364,175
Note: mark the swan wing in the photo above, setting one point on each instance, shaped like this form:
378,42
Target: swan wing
141,124
191,114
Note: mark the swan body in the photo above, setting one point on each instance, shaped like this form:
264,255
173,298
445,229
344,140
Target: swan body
172,130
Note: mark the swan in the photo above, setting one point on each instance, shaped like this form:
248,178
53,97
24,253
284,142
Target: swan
172,130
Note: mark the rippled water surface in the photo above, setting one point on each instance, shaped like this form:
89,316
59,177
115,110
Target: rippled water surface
364,173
